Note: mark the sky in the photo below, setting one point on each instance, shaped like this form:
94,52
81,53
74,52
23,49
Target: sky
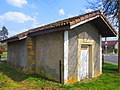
22,15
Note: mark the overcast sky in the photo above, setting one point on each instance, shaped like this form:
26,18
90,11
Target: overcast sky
21,15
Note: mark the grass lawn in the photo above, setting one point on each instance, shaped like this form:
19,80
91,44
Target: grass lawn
9,78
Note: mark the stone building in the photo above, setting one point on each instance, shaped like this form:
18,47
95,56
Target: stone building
66,51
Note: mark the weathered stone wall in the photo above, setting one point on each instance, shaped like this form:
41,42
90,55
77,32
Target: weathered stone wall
21,55
73,57
84,32
49,51
31,62
17,53
42,54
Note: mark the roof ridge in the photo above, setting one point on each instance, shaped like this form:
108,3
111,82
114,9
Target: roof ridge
69,21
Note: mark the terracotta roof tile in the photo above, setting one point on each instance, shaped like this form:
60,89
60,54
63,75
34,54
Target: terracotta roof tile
69,21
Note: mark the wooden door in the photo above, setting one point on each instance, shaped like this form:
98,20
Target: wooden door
84,62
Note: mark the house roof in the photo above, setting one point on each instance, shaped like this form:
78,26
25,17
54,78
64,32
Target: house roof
110,43
96,18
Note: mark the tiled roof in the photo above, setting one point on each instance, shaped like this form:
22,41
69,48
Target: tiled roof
69,21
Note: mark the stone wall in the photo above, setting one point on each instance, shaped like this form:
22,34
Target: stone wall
49,52
84,32
17,54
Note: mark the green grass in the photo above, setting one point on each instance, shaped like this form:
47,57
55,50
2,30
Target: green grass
9,78
109,80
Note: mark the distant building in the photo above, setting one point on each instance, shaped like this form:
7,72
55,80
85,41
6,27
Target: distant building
112,46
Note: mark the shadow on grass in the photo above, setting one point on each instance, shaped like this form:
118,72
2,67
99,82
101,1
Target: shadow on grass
110,68
18,76
12,73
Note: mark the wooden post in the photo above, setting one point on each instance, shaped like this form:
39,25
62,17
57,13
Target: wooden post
60,70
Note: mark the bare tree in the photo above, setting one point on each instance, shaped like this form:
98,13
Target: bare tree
108,7
111,9
119,40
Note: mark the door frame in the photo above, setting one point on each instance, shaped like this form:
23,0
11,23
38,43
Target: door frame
90,43
84,61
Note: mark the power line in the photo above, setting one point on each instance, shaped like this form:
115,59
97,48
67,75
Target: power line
52,8
57,3
50,14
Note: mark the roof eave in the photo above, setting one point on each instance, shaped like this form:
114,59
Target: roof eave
13,39
39,32
82,22
109,25
106,30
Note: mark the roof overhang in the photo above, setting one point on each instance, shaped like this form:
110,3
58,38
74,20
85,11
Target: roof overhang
95,18
39,32
12,39
82,22
104,27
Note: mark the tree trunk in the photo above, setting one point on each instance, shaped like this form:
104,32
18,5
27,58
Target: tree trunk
119,39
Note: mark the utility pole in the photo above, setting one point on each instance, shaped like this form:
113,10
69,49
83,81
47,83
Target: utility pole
119,37
106,45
